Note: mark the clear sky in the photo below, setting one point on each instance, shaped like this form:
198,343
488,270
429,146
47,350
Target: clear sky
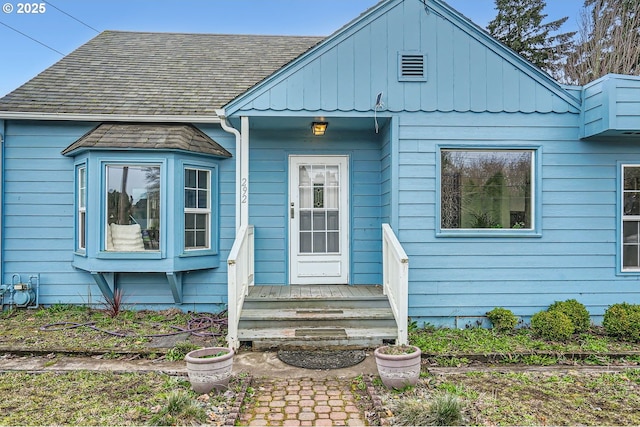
63,25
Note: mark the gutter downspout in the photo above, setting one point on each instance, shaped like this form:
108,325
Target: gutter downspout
230,129
2,134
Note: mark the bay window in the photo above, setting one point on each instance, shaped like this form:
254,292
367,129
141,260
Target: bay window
146,202
487,189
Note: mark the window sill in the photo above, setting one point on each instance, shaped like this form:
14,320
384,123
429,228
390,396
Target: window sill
492,233
130,255
197,252
635,272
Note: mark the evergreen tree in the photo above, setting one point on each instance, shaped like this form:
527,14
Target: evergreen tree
519,25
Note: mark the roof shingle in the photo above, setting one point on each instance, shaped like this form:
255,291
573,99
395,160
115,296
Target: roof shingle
146,137
129,73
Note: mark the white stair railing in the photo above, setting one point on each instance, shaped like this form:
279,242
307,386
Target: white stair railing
395,280
239,278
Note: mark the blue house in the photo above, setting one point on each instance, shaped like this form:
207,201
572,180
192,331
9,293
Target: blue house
323,189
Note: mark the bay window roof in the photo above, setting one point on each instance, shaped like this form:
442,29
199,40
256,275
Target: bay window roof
180,137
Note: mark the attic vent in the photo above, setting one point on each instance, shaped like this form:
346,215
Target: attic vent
411,66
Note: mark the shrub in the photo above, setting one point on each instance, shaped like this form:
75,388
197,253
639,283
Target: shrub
623,321
576,311
552,325
502,319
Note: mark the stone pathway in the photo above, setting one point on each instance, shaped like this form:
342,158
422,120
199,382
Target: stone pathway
302,402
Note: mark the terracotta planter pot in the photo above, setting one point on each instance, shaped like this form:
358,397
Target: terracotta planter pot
207,371
398,370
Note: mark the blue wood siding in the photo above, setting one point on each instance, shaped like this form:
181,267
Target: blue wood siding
39,223
465,70
612,107
268,210
453,280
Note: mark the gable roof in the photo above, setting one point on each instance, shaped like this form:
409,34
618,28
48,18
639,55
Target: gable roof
147,137
466,70
146,74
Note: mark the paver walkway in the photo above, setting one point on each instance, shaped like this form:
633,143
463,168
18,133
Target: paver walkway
302,402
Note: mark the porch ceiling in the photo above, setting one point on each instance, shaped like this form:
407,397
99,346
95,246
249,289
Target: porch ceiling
295,123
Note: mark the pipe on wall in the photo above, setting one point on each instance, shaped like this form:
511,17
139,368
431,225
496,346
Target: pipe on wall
230,129
2,143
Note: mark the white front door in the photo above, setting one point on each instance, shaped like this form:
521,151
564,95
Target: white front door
319,219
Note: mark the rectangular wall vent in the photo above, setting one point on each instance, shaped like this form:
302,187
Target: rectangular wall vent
412,66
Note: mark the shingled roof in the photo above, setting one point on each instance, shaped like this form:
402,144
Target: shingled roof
129,73
148,137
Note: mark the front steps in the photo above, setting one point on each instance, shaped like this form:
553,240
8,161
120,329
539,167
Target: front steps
319,316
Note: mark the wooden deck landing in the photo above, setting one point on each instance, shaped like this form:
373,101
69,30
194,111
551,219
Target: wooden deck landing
314,291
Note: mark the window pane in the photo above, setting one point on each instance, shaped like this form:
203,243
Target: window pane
333,220
631,194
630,256
631,243
305,243
190,178
201,239
82,187
189,198
190,221
319,221
201,221
305,220
630,232
305,198
203,179
82,221
189,239
203,199
133,208
486,189
333,242
632,178
319,242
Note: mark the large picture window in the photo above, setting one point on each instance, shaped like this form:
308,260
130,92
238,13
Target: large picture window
631,217
133,208
197,209
486,189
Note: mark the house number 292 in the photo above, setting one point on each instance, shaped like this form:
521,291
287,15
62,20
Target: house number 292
244,189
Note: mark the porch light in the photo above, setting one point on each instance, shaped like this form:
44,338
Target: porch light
319,128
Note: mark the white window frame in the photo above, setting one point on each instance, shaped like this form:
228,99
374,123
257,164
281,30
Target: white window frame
627,218
531,231
198,210
82,207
